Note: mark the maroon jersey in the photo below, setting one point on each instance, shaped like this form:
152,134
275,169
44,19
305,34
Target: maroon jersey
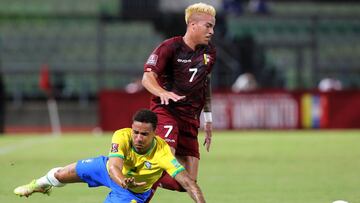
183,71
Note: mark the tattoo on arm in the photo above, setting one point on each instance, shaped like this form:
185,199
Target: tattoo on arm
207,107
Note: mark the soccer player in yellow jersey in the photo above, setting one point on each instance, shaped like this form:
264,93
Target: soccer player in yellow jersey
136,161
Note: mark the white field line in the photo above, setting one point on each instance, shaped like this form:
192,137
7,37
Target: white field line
26,143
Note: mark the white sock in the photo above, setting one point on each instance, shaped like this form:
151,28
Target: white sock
49,179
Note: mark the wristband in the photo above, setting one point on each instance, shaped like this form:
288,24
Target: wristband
208,117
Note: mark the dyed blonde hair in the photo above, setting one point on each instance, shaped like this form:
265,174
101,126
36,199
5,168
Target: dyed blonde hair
199,8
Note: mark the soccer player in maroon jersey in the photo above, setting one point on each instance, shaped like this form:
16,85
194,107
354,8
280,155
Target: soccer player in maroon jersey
177,73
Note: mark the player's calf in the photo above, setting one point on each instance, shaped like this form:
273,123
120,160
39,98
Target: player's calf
41,185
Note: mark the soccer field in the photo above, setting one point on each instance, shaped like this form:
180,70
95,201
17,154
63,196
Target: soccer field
243,166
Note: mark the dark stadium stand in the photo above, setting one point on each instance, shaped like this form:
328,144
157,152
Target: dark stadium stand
73,46
335,38
53,7
91,52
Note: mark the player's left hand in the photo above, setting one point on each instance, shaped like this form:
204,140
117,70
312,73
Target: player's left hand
131,183
208,134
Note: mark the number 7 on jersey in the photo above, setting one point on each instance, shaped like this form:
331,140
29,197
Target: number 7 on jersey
194,70
169,129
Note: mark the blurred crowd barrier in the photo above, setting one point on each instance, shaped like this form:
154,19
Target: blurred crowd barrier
276,109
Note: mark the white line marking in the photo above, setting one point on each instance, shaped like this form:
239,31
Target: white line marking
25,143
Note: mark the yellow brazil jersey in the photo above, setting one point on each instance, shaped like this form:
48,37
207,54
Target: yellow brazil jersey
146,167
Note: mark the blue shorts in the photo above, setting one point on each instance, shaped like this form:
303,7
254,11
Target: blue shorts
93,172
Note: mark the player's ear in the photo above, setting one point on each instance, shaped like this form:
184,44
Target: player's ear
193,27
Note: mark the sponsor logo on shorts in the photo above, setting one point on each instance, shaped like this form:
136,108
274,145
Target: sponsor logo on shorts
114,147
170,140
86,160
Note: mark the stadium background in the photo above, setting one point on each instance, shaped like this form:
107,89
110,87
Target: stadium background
93,48
92,45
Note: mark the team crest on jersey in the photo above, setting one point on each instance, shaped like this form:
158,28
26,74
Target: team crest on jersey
152,60
147,165
133,201
114,147
207,59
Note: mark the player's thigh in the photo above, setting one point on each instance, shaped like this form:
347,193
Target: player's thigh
187,143
187,151
93,171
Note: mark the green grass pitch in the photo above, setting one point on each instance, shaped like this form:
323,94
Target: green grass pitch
243,166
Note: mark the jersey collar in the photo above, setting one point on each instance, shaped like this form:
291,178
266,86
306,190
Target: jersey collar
149,151
197,47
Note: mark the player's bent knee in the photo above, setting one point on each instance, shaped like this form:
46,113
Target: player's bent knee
169,183
174,187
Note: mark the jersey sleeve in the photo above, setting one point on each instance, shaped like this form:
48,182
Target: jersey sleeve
119,144
169,163
158,59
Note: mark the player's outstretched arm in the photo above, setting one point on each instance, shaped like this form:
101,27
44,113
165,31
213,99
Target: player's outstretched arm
115,171
150,83
190,186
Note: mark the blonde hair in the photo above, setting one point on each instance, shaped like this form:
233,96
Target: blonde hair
199,8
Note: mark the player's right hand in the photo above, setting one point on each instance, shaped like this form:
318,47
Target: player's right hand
166,96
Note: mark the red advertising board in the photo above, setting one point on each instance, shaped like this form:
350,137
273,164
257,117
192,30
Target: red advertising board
252,110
